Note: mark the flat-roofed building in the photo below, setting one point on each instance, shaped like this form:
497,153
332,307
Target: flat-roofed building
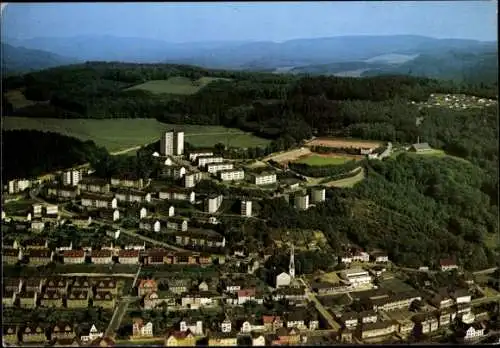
202,161
246,208
263,178
231,174
213,168
318,194
213,203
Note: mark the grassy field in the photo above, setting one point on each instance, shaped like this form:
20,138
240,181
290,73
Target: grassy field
17,99
317,160
121,134
396,285
175,85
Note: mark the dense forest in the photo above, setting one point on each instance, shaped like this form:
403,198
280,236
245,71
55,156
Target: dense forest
418,208
28,153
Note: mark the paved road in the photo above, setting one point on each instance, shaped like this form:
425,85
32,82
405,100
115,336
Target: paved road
123,275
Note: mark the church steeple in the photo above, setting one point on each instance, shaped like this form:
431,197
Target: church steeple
291,270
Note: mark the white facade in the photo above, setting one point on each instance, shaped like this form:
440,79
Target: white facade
318,194
189,180
20,185
246,208
150,225
212,204
194,155
71,177
99,203
37,209
213,168
143,330
51,209
264,179
195,328
172,143
93,335
302,201
358,277
283,279
230,175
203,160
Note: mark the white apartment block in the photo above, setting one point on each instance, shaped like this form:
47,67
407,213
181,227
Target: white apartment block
99,201
172,143
212,204
191,179
357,277
194,155
263,178
301,201
232,174
246,208
52,209
213,168
19,185
204,160
71,177
318,194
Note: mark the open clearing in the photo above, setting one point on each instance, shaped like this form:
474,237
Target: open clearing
325,159
348,182
344,143
125,133
288,156
175,85
17,99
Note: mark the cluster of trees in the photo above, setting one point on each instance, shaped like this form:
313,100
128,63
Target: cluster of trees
29,153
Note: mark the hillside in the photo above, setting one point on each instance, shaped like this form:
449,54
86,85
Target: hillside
20,59
260,56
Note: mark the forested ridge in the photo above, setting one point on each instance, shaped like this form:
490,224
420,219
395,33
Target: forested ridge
418,208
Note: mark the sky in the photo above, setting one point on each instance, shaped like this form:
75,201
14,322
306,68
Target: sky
252,21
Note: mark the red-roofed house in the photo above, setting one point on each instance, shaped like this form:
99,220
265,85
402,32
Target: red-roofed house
245,295
139,329
128,257
147,286
180,338
74,256
447,264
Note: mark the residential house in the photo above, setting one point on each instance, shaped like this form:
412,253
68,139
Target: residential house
101,257
272,322
378,329
62,193
99,201
39,257
141,329
180,339
106,285
94,185
152,225
295,293
147,286
222,339
349,320
461,296
128,257
33,284
11,256
78,299
246,295
64,246
177,223
37,225
258,340
447,265
200,237
474,331
379,256
12,284
252,324
425,324
195,326
395,302
81,221
109,214
136,247
301,319
91,334
80,283
104,300
182,258
157,256
9,334
197,299
130,180
132,196
74,256
178,286
57,284
51,299
63,331
8,298
33,334
287,336
36,243
153,299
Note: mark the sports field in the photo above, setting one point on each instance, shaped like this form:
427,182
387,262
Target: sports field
175,85
321,160
121,134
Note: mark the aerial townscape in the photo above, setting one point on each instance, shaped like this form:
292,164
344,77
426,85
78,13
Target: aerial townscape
241,197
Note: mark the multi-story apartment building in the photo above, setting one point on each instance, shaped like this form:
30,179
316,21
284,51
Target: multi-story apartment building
263,178
232,174
172,143
99,201
301,201
318,194
199,153
213,168
191,178
212,203
246,208
19,185
202,161
71,177
94,185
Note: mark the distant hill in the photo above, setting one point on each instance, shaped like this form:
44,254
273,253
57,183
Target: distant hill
21,59
261,56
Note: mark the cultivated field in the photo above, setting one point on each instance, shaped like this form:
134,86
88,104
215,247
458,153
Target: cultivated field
337,143
121,134
175,85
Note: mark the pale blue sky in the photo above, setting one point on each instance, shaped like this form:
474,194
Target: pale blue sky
257,21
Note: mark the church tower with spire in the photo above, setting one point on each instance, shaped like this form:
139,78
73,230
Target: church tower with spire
291,270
